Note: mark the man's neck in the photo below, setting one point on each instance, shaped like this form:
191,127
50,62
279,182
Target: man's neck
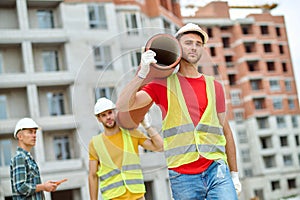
111,131
190,73
25,147
188,70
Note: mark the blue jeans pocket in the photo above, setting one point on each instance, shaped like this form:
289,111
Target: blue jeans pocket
221,170
173,174
184,186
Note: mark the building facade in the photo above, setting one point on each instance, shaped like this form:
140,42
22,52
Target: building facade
57,57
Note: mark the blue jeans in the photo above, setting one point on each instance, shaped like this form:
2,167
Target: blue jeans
213,184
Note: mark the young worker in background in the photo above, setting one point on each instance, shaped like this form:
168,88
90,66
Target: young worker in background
114,159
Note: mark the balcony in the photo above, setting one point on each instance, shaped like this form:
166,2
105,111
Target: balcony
38,35
43,3
40,79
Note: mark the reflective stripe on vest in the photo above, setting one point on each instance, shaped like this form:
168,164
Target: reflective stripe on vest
182,141
114,181
118,171
121,183
192,148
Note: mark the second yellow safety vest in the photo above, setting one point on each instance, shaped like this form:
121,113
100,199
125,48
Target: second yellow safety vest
114,181
183,142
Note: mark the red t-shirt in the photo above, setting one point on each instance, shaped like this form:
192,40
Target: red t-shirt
193,90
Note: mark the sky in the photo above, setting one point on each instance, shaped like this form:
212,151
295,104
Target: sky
288,8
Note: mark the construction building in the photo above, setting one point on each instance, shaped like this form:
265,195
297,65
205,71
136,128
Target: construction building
58,56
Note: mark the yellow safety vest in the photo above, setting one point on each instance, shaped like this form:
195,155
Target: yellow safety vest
114,181
183,142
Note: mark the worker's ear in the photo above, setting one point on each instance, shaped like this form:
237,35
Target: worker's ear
19,135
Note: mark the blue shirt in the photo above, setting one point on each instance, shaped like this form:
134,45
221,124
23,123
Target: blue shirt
25,175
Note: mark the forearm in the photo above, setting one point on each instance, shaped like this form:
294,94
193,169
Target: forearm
230,144
156,139
93,187
230,148
126,100
25,189
231,158
40,187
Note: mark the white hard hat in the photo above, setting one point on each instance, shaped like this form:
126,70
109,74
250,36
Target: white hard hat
103,104
24,123
190,27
